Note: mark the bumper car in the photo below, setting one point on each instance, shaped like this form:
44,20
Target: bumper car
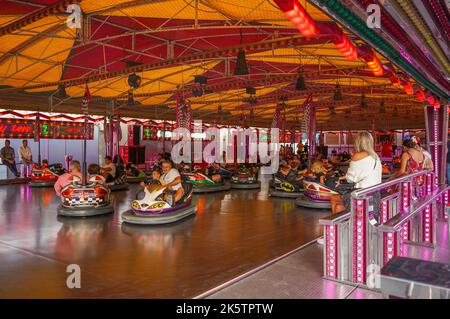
82,201
225,172
136,179
315,195
46,176
244,179
120,183
285,187
155,208
203,184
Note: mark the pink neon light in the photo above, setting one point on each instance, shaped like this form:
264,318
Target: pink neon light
427,225
331,251
389,246
384,212
436,170
359,242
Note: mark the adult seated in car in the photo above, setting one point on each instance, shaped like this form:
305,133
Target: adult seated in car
285,172
67,178
171,180
212,170
108,170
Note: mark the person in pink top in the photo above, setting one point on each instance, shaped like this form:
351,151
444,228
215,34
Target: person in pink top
67,178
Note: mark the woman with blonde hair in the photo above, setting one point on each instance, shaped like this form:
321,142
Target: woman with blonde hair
364,171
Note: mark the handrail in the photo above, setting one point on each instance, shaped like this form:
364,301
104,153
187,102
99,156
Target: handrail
390,196
360,192
398,220
335,218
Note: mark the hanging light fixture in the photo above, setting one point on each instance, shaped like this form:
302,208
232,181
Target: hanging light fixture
134,80
61,92
332,110
348,112
131,100
395,111
241,62
300,85
338,93
363,103
200,79
382,107
252,117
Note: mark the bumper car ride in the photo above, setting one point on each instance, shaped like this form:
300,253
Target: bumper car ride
83,201
120,183
136,179
46,176
315,195
155,208
284,188
203,184
243,179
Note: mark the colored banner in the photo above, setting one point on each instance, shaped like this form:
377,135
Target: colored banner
70,130
20,128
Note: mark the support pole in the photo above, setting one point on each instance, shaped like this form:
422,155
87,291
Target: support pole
84,168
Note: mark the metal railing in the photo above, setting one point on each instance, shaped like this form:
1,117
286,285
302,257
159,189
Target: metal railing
382,218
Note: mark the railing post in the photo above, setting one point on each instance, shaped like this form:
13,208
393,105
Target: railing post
405,204
445,204
359,240
331,251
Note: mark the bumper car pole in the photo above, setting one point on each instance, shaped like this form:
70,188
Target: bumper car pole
84,167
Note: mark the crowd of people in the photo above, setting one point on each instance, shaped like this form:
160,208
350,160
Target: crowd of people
364,167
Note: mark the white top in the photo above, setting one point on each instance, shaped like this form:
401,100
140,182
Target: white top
169,177
365,172
25,152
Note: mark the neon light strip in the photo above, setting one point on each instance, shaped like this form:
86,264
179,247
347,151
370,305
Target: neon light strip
406,203
359,241
331,251
436,162
427,225
390,244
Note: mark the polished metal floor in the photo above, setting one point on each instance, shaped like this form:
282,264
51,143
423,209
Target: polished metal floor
299,275
232,233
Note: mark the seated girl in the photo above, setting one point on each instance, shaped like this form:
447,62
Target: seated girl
94,173
319,171
154,183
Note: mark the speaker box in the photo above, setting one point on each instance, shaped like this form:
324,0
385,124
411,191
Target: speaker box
136,155
136,135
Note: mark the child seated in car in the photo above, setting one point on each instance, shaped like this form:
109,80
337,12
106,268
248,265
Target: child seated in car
319,171
153,183
94,173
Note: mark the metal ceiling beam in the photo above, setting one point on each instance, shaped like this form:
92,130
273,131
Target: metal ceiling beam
262,45
57,7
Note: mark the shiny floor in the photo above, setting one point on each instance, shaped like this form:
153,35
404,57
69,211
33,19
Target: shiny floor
232,233
299,275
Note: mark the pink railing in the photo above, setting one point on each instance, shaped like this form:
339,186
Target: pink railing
381,220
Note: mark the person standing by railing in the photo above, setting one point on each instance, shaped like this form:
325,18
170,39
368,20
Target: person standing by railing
364,171
413,159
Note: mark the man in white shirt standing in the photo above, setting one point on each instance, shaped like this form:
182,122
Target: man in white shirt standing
26,156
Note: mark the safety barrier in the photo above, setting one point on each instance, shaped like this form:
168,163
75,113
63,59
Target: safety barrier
381,220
